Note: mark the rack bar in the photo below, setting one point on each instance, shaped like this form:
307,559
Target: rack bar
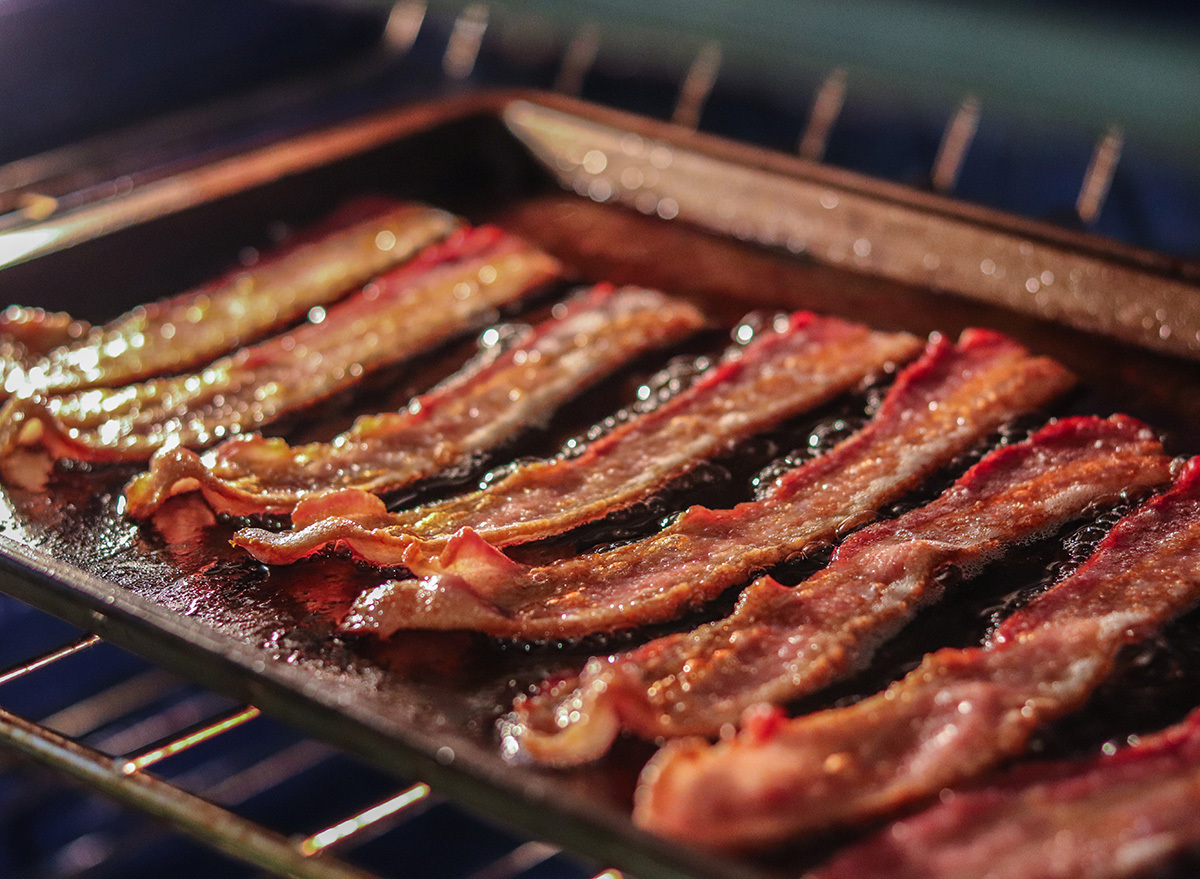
521,859
344,830
462,49
697,86
578,60
35,206
94,711
209,731
956,140
404,25
1099,176
826,107
48,658
268,773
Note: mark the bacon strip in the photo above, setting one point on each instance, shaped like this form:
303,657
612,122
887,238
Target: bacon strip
35,332
28,334
781,373
958,714
781,643
938,407
1113,817
481,406
194,327
410,310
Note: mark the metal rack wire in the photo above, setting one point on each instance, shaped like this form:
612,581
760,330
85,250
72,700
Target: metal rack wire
210,815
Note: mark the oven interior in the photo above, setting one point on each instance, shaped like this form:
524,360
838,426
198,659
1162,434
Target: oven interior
232,755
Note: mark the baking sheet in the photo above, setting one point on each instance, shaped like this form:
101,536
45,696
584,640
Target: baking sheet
425,704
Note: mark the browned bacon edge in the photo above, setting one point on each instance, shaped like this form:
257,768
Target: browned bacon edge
434,296
940,406
354,245
957,715
1116,816
789,369
782,643
481,406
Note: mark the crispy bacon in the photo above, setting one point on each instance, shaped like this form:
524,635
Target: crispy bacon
782,372
1120,815
938,407
194,327
781,643
481,406
434,296
957,715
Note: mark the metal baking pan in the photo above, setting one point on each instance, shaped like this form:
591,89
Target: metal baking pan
619,198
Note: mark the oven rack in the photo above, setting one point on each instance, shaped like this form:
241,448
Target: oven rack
89,741
420,38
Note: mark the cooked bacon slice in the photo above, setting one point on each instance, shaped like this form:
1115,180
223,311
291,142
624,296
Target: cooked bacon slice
783,372
194,327
434,296
35,332
781,643
958,714
1113,817
28,334
938,407
481,406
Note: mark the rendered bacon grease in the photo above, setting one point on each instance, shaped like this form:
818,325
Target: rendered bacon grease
363,241
940,406
1117,816
785,642
786,370
483,405
957,715
445,290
